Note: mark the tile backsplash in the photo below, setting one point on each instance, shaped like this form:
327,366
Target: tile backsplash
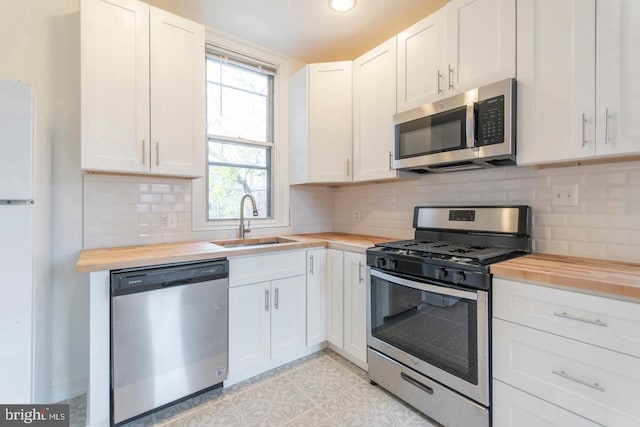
127,210
605,224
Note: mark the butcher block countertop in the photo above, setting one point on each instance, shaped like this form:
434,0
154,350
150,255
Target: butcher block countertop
609,278
139,256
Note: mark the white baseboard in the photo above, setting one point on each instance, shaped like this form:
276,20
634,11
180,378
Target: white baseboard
61,391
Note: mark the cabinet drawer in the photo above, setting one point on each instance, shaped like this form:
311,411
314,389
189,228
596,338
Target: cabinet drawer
600,321
514,408
599,384
262,268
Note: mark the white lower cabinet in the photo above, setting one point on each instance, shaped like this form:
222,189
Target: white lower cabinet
567,351
267,319
515,408
335,298
355,305
316,296
347,309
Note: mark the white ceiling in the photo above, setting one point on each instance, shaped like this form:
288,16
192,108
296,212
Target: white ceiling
305,29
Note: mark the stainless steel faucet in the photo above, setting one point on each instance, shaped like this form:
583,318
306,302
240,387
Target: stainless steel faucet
242,228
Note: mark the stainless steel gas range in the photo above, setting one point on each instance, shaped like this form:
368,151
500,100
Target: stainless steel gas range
429,308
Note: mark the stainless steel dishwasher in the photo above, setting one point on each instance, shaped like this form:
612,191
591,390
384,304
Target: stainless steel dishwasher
169,336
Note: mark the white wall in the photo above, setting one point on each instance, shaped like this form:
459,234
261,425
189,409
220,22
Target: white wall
605,224
40,45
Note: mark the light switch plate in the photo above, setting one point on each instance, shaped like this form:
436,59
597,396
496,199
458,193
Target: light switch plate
564,195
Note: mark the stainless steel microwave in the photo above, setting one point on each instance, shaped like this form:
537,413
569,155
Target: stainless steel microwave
471,130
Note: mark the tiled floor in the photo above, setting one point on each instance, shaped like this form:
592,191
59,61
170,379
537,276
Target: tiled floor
320,390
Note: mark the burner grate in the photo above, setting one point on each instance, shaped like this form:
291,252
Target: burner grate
436,249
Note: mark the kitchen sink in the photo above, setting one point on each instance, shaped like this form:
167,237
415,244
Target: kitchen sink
261,241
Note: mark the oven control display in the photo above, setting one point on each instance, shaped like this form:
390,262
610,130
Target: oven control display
462,215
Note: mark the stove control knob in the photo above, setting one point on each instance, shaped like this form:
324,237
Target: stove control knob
458,277
381,262
391,264
442,273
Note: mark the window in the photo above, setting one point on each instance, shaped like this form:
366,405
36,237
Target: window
240,133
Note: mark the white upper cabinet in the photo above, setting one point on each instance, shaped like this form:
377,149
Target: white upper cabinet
115,85
321,132
374,104
177,95
618,77
466,44
481,43
419,65
556,80
143,90
577,90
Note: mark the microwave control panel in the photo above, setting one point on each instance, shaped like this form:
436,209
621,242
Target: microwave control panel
490,121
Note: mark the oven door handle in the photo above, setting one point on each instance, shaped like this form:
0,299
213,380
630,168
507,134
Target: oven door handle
443,290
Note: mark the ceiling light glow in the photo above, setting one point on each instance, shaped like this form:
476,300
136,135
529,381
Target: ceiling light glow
342,5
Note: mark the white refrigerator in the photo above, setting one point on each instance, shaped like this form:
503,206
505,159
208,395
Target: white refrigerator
17,206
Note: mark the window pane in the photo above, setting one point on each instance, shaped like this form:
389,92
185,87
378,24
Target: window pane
238,101
227,185
236,114
238,154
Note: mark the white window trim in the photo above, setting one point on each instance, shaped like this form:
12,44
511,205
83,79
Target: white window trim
280,166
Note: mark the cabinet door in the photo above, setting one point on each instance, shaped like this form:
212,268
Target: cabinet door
177,95
556,80
419,66
355,305
330,122
114,84
288,307
335,297
618,80
316,296
249,326
481,42
515,408
374,104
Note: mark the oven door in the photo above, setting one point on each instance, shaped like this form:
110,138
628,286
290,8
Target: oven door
439,331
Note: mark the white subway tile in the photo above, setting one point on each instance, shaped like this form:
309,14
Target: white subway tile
588,250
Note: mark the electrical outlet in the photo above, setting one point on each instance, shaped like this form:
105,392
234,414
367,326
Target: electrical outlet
169,221
356,215
564,195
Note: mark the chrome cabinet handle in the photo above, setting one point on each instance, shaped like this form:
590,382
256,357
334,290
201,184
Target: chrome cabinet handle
439,77
144,155
359,272
606,125
311,264
275,302
157,153
266,300
450,79
565,315
563,374
347,167
584,121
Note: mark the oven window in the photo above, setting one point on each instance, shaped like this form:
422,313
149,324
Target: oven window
436,328
434,134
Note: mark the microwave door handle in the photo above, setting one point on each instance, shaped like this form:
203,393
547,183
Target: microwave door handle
471,126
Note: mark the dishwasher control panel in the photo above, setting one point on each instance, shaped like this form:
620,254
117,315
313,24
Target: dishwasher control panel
143,279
